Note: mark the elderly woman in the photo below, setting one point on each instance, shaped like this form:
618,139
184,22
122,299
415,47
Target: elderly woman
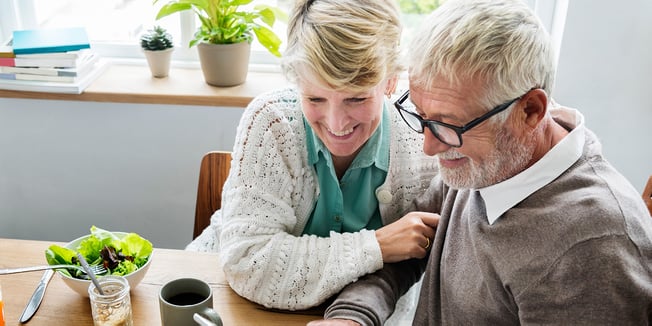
323,172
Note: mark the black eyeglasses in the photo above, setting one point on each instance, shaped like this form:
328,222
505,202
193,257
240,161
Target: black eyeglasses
446,133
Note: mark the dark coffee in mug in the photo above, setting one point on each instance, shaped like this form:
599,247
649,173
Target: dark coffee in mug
186,299
183,301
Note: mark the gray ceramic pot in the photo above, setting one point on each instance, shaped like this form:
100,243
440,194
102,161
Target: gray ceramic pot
224,64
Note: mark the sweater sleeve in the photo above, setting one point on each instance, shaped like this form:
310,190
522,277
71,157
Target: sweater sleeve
267,199
371,300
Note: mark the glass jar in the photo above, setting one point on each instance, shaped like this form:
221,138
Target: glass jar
113,308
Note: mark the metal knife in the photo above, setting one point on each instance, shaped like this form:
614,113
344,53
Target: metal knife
35,301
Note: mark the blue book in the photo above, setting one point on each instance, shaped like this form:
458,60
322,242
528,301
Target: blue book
50,40
7,76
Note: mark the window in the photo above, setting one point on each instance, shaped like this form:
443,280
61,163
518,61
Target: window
553,16
114,26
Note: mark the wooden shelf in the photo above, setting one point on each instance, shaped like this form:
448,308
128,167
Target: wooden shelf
184,86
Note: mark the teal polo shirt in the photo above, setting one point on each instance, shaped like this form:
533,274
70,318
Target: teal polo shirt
350,204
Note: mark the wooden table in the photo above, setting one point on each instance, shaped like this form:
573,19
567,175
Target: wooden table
62,306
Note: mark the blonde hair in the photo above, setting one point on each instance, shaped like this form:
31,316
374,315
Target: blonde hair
349,44
498,44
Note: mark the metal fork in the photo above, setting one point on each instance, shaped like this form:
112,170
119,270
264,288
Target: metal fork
97,269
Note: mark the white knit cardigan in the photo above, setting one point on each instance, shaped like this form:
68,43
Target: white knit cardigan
269,196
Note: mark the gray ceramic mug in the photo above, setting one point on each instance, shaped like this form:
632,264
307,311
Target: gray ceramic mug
187,301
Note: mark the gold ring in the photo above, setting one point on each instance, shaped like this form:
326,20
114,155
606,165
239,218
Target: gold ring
427,243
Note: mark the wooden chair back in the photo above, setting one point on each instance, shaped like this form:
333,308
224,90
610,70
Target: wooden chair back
647,195
213,171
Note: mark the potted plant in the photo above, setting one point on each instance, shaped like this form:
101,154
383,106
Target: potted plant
157,46
224,38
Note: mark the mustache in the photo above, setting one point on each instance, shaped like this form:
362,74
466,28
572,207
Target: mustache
450,155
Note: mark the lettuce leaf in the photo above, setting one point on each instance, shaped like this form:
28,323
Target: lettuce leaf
138,248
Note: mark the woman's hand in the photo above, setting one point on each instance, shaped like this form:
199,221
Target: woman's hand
409,237
333,322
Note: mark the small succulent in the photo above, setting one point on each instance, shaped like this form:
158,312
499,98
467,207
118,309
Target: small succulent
156,39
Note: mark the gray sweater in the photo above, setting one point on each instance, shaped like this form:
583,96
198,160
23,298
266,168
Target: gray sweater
576,252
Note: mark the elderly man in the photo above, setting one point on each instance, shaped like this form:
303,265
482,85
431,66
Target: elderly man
536,226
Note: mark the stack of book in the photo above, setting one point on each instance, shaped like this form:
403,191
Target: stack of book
49,60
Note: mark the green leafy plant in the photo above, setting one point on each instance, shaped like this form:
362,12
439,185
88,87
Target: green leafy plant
156,39
225,22
419,6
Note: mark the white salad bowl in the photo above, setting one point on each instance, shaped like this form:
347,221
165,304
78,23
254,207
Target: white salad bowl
81,286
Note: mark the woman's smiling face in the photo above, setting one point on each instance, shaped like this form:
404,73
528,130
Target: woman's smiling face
344,121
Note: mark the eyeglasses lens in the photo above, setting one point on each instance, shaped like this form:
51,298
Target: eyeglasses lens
443,133
411,118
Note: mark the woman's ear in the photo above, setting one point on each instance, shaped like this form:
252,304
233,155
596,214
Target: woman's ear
391,86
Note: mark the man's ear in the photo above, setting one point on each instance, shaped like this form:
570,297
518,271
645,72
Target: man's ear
536,105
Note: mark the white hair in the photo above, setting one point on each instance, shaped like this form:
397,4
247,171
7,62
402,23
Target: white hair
500,45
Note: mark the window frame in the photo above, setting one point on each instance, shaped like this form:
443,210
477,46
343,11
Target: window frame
20,14
23,17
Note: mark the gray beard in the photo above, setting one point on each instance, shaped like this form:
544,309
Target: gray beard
510,156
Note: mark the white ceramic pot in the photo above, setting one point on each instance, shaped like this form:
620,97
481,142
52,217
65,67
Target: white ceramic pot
159,62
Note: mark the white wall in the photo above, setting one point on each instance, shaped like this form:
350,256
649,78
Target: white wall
605,71
67,165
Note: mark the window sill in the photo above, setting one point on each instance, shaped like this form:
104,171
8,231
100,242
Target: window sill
184,86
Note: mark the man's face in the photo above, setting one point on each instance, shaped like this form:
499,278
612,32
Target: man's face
490,153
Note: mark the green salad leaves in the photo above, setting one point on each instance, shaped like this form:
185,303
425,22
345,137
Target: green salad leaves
120,255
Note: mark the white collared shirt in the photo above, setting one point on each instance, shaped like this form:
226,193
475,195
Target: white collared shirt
502,196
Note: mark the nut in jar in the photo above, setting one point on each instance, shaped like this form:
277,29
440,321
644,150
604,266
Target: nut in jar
113,308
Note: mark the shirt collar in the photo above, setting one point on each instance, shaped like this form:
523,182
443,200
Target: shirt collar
502,196
375,150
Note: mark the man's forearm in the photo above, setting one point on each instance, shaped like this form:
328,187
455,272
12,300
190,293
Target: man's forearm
371,300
